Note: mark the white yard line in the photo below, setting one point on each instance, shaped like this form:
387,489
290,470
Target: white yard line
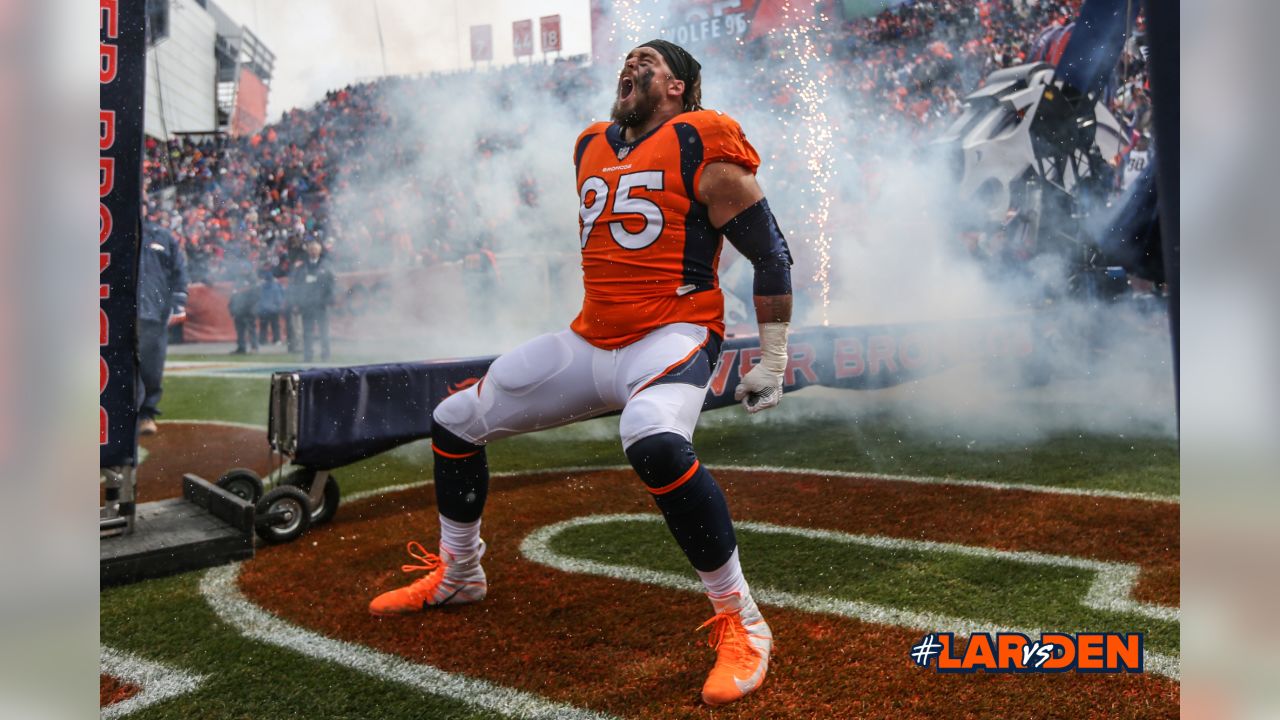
842,474
233,369
375,492
156,682
223,423
1110,589
218,586
807,472
240,375
960,482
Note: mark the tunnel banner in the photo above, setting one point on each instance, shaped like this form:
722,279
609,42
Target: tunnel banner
122,55
348,414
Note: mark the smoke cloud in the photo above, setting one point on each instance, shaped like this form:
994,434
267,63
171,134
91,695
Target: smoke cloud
483,161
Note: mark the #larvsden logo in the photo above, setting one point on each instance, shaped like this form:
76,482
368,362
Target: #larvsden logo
1017,653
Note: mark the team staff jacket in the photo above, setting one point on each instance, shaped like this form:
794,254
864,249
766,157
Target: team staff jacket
649,253
162,274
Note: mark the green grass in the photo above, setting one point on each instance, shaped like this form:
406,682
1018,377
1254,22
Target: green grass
231,399
988,589
167,621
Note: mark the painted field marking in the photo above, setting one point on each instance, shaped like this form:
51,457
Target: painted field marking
206,375
1110,589
388,489
219,589
216,423
157,681
806,472
961,482
230,369
842,474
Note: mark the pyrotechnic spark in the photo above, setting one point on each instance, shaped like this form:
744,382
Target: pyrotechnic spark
632,21
812,135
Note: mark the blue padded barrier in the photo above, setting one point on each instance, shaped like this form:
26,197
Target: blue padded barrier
348,414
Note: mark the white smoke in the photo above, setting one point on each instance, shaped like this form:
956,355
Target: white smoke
895,256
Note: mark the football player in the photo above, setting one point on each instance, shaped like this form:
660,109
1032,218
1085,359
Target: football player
659,188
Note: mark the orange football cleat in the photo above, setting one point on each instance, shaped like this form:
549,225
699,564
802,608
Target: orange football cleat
449,580
742,640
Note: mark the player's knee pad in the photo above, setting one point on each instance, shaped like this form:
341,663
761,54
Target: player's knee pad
522,370
688,496
446,443
659,459
456,413
670,469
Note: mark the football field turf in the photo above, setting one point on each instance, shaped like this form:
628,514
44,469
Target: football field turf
860,531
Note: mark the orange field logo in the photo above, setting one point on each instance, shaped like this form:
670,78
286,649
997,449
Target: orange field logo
1017,653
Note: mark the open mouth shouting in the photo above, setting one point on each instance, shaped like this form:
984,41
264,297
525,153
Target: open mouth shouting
626,86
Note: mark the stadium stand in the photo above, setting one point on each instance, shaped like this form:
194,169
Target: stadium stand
248,204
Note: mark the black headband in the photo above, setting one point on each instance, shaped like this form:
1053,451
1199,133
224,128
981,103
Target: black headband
678,59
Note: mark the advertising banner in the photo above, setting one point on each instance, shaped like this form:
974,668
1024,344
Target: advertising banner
250,113
121,89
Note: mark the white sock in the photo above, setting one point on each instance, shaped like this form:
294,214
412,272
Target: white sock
726,579
459,539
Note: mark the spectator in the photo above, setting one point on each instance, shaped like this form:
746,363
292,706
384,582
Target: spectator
292,312
243,306
312,284
270,305
247,201
162,298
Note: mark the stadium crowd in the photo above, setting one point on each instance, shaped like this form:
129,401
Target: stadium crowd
247,206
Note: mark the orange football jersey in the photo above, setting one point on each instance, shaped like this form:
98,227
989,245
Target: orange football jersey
649,253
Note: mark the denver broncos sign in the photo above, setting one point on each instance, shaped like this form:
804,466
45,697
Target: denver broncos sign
348,414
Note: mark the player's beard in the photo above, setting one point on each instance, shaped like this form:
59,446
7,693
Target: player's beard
643,104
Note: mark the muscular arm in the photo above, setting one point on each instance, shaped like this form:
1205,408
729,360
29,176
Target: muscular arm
737,207
773,308
727,189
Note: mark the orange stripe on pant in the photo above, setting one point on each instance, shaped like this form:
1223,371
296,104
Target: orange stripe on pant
453,456
682,480
673,366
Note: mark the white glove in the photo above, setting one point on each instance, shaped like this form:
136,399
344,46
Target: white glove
761,388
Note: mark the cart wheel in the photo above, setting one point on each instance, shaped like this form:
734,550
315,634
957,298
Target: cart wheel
303,478
283,514
243,483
